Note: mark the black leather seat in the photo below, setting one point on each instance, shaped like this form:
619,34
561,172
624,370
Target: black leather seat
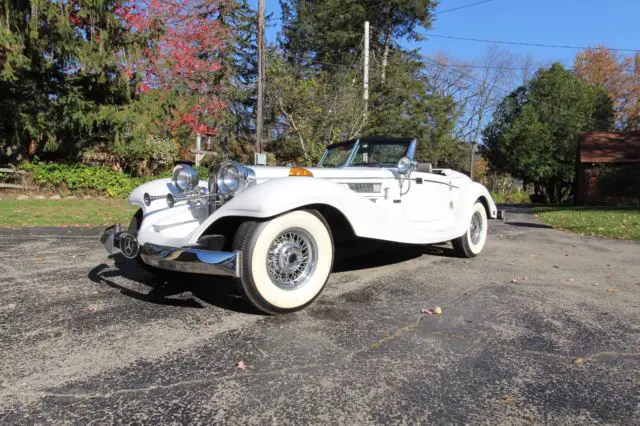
424,167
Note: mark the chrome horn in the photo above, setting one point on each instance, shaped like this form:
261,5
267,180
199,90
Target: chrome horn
171,199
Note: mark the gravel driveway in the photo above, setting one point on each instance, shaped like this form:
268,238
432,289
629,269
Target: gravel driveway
542,328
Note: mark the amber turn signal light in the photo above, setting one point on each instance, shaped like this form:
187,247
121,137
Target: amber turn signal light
300,171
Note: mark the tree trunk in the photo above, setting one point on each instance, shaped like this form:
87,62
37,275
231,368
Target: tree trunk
385,54
551,191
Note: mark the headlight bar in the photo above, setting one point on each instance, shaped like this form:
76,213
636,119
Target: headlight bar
246,179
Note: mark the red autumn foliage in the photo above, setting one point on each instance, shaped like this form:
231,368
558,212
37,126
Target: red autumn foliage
185,38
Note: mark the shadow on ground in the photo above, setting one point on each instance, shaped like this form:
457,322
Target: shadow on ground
530,225
223,292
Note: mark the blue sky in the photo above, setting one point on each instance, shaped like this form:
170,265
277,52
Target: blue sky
613,23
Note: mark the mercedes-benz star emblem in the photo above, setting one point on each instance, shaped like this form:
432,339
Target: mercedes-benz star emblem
129,245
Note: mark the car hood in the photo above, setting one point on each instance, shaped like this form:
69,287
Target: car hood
264,173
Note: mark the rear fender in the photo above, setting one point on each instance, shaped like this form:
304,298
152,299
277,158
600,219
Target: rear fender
467,198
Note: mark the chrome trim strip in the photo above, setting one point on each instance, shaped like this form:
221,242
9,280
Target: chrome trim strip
441,183
352,154
357,177
411,151
192,259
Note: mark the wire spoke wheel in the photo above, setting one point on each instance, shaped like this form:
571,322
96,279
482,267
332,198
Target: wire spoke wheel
472,242
475,229
292,259
286,261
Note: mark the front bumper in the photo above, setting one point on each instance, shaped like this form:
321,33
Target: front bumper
197,259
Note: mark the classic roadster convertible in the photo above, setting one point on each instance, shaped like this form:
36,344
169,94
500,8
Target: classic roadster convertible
275,229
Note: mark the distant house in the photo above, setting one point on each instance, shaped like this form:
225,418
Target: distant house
608,168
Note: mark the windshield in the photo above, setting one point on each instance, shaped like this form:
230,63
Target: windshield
370,153
336,156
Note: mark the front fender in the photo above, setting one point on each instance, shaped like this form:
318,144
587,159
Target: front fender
278,196
161,224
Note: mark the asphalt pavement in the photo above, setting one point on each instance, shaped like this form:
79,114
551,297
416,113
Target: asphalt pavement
542,328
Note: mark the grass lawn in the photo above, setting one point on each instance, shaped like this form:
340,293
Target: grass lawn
611,222
19,213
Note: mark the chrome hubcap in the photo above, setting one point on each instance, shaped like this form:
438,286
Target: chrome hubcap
475,230
292,259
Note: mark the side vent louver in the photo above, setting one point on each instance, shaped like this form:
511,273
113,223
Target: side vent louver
368,188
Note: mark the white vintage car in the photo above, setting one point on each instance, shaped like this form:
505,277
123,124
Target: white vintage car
276,229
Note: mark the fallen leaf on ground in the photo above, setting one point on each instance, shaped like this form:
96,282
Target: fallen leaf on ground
437,310
508,400
427,311
240,365
56,333
579,360
203,321
611,290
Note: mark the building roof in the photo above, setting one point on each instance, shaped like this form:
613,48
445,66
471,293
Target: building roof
609,147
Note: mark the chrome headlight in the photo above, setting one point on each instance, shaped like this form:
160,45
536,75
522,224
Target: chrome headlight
184,177
231,178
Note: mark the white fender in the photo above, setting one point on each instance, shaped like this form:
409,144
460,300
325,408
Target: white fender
184,224
468,195
367,219
164,225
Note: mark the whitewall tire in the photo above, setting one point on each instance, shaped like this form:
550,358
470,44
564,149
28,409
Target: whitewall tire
472,242
286,261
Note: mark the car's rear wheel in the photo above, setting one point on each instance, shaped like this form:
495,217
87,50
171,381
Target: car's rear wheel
286,261
472,242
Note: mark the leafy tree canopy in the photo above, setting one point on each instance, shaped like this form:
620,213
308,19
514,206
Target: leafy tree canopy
535,130
330,31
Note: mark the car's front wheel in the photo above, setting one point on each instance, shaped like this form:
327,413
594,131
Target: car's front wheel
286,261
472,242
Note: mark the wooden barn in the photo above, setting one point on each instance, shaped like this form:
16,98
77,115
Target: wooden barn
608,168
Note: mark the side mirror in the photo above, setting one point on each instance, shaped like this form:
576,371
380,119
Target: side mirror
405,165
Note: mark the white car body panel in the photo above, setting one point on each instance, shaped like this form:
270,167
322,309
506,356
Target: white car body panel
369,188
436,210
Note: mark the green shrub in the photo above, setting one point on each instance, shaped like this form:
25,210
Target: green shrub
149,157
83,179
78,178
510,197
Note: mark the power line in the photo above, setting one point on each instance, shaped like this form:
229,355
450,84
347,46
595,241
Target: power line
311,61
517,43
436,62
464,6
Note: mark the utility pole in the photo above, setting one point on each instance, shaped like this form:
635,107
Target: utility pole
365,95
260,43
